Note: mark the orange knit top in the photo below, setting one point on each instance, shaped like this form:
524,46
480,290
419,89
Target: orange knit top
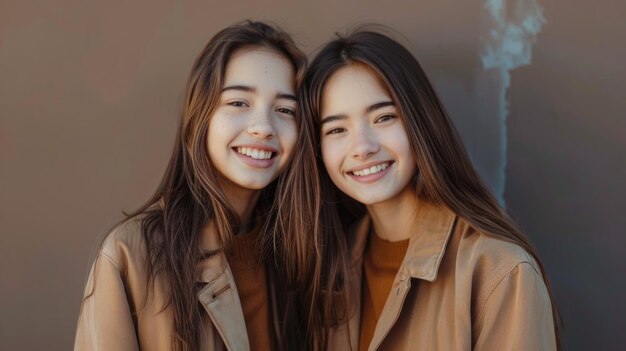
381,262
251,280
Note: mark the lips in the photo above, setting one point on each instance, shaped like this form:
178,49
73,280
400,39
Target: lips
255,153
370,172
256,156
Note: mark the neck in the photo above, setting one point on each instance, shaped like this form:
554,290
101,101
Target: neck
242,200
393,218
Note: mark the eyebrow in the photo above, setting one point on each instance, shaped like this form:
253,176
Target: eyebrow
333,118
244,88
369,109
286,96
249,89
378,105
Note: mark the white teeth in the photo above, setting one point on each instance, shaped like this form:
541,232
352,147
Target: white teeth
371,170
256,154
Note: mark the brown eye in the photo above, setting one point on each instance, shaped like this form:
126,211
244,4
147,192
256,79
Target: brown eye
335,131
385,118
286,111
238,104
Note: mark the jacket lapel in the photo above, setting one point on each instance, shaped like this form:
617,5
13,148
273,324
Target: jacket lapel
220,299
391,311
219,296
427,246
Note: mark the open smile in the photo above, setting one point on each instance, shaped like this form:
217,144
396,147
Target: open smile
257,154
258,157
371,172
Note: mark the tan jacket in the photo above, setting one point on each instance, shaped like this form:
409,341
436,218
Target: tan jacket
457,289
120,313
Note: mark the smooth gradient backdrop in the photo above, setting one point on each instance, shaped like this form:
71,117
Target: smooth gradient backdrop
91,93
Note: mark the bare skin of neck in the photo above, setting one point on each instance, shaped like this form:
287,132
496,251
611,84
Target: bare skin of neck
392,219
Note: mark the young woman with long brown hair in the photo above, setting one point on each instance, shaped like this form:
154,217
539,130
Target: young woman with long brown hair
410,250
195,267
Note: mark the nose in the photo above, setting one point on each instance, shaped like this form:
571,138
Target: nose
260,125
365,145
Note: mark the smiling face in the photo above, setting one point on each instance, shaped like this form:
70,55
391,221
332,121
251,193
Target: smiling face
364,144
252,130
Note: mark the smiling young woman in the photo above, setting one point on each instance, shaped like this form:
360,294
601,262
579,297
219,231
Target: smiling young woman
410,250
195,268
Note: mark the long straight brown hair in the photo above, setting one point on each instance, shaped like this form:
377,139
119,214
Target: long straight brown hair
189,195
315,215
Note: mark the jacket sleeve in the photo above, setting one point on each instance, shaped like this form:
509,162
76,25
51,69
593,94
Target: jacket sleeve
105,321
517,315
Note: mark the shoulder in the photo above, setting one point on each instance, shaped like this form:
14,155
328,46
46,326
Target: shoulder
121,258
488,261
125,244
489,253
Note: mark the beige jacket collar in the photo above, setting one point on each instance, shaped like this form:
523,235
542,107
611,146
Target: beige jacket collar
427,242
427,245
219,296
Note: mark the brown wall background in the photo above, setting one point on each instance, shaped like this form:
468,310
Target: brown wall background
90,96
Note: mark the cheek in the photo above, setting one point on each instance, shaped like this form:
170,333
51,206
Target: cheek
288,134
213,146
399,139
211,136
403,147
219,134
331,156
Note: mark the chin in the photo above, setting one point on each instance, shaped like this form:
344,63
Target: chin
375,199
254,186
370,200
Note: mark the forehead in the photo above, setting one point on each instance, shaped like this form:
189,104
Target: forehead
352,88
259,65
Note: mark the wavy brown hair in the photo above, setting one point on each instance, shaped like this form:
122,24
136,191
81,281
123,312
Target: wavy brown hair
315,215
189,195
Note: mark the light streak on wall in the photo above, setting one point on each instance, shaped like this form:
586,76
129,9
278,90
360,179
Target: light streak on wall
508,45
